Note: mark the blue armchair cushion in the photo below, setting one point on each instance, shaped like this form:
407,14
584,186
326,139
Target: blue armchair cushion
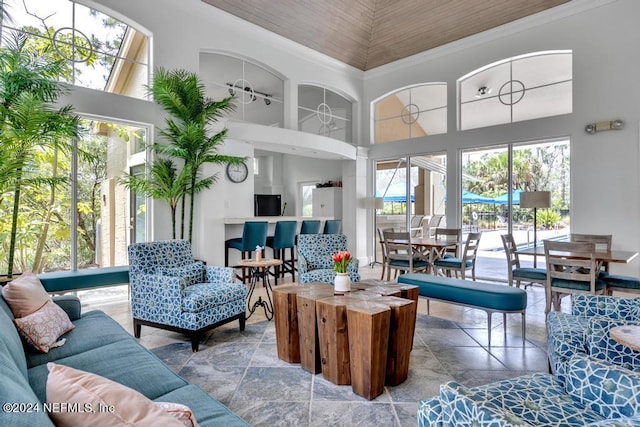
204,296
193,273
610,390
530,273
600,345
606,306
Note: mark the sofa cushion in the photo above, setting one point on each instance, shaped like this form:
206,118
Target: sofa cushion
611,390
125,362
92,392
599,305
94,329
25,294
43,327
11,339
538,399
566,336
206,295
192,273
208,411
601,346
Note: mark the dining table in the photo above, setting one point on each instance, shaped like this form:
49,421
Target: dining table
431,247
617,256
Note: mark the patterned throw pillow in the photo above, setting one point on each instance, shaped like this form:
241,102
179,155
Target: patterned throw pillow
180,412
93,392
43,328
194,273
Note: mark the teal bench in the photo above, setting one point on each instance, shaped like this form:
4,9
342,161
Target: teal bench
485,296
74,280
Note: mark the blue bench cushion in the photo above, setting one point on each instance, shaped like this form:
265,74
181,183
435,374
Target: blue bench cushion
477,294
63,281
577,285
626,282
539,274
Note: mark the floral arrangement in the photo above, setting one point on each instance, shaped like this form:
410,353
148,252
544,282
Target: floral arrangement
340,261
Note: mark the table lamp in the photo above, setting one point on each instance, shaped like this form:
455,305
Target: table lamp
535,200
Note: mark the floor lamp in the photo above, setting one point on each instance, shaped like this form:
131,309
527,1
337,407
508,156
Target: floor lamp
378,205
535,200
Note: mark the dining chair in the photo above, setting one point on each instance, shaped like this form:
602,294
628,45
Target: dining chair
254,233
514,270
466,262
571,269
453,234
383,248
284,237
332,226
416,226
434,222
602,241
400,254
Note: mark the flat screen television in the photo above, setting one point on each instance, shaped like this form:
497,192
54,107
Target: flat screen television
267,205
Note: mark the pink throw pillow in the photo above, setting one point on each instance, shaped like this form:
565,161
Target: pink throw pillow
25,294
105,402
43,328
180,412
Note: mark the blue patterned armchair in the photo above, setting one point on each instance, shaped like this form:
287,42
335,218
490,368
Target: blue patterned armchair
314,258
595,393
586,331
171,291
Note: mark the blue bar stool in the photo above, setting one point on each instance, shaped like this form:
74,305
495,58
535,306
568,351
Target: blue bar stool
310,226
284,238
332,226
254,233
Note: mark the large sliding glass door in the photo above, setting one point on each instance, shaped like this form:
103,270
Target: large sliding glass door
492,181
411,189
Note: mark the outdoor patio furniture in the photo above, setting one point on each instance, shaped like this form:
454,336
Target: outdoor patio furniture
434,222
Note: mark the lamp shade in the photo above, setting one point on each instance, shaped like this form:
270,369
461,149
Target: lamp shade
535,199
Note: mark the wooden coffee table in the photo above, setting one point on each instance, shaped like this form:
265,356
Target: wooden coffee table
382,329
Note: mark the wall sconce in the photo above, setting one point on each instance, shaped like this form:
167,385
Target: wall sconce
592,128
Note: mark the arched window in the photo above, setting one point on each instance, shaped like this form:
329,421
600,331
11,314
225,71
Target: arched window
100,51
324,112
411,112
258,91
515,89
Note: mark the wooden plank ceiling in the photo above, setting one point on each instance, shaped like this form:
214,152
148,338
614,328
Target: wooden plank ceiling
370,33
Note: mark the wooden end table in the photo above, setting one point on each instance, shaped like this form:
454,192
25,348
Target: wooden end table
627,335
260,270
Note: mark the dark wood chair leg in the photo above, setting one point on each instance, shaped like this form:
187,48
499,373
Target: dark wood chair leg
195,342
243,320
293,266
137,327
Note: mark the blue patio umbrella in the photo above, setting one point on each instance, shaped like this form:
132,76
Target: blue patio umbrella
469,197
503,199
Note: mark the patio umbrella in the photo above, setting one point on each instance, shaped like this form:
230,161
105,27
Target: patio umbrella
469,197
503,199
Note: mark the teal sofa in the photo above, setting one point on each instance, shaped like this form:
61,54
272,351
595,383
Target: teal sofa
99,345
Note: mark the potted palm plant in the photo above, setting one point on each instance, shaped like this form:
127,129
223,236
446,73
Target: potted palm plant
190,115
29,120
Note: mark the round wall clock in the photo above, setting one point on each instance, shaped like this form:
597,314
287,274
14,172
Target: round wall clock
237,173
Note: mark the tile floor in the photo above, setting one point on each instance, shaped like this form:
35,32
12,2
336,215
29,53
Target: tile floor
242,369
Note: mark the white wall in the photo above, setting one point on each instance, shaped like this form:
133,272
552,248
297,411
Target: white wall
605,183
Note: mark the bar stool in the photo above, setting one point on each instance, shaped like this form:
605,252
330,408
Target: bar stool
254,233
332,226
310,226
284,238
